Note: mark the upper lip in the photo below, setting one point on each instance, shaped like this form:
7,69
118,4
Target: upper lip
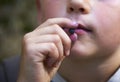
83,27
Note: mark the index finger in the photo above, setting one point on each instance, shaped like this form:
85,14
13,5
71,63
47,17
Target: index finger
62,22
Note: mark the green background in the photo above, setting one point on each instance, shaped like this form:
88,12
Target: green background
17,17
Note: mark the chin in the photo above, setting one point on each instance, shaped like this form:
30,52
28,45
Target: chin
83,51
79,54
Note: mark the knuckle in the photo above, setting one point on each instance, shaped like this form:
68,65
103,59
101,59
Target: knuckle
57,28
49,21
26,38
52,47
56,39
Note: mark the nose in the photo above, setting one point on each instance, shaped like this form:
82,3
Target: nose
79,6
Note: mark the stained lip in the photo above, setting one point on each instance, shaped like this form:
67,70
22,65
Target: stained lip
79,29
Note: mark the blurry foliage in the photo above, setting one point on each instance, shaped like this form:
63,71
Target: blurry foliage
17,17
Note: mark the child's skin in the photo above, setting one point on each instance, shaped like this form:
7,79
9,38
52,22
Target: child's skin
93,57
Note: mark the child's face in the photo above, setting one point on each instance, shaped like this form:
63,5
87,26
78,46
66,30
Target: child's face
102,17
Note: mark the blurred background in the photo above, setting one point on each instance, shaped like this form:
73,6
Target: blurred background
17,17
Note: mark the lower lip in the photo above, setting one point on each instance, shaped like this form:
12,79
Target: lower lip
79,32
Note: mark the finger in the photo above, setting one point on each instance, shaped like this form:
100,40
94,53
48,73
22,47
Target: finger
62,22
49,39
55,29
48,54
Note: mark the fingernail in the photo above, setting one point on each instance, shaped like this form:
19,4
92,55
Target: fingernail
74,23
67,52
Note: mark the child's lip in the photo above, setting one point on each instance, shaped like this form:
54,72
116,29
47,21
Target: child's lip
80,29
83,27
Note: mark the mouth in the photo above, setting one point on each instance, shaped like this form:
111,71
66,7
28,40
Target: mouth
80,29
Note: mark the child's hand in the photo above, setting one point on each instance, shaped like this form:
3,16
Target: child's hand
44,49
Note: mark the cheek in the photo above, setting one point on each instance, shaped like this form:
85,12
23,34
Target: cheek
107,26
107,20
52,9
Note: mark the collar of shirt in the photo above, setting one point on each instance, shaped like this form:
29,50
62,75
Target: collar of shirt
114,78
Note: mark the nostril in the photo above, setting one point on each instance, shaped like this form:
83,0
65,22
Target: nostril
82,10
71,9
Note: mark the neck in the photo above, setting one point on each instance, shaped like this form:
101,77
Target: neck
92,70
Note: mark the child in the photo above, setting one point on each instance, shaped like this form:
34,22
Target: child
77,41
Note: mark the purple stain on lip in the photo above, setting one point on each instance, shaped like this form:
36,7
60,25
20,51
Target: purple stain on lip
73,37
71,33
